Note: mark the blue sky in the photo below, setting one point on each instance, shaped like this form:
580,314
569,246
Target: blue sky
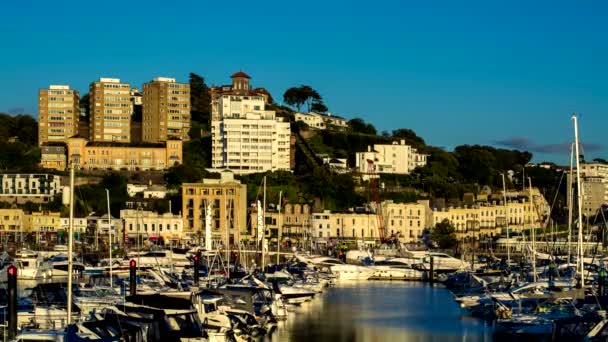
504,73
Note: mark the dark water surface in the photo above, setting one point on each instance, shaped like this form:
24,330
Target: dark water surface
382,311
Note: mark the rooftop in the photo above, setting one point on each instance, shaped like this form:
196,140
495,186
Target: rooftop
240,74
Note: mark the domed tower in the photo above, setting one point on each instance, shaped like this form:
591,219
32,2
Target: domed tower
240,82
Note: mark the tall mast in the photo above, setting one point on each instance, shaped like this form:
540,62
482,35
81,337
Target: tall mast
569,193
533,232
280,228
579,202
264,226
504,193
71,243
109,234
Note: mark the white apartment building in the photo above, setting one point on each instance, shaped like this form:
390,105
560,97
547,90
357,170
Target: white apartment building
321,121
251,142
80,224
395,158
21,188
152,226
237,106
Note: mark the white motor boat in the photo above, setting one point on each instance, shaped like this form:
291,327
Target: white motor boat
397,268
57,266
441,261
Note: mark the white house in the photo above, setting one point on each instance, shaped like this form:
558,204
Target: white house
395,158
321,121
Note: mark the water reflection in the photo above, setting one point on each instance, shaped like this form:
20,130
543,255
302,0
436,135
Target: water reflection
381,311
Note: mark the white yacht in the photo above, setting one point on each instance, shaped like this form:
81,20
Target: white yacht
441,261
57,266
397,268
345,271
158,258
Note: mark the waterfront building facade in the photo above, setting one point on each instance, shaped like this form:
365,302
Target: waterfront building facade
110,111
147,225
491,217
406,221
346,225
44,225
80,225
395,158
21,188
294,221
228,200
166,110
12,223
115,156
58,113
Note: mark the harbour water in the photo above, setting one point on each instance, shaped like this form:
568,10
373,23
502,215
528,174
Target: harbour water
382,311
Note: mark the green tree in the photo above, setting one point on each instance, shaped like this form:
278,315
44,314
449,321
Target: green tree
444,235
200,99
359,126
410,137
304,94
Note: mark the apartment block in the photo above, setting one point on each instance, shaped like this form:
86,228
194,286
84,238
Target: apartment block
151,226
253,143
228,200
116,156
166,110
395,158
110,111
58,113
598,171
21,188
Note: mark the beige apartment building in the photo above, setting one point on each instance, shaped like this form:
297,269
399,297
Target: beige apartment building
490,218
294,221
347,225
110,111
166,110
12,221
114,156
228,200
58,113
406,221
